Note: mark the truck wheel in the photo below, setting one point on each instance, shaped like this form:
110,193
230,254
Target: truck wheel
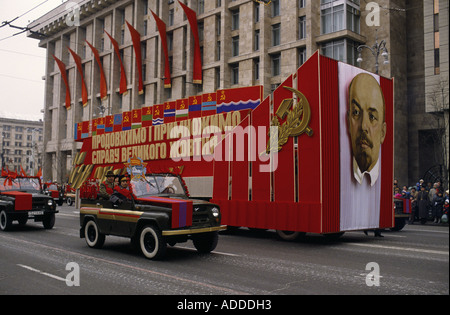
399,224
152,243
69,201
94,238
49,221
5,221
289,235
206,242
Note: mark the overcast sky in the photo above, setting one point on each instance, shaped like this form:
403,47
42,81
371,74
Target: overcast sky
22,62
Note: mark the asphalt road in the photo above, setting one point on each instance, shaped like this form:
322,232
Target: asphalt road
412,261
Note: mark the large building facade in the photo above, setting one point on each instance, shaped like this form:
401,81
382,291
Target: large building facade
21,145
243,43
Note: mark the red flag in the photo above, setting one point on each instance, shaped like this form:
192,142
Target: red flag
136,38
126,120
162,34
103,88
62,69
22,172
192,17
147,116
123,77
169,111
84,94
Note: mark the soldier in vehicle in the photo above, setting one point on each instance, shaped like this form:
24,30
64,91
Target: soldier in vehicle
123,191
107,187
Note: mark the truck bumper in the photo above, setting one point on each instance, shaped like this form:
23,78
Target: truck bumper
194,230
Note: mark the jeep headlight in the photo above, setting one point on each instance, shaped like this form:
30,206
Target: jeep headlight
50,202
215,212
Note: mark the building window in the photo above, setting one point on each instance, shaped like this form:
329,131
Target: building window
256,69
332,19
256,12
256,43
301,56
235,20
276,64
437,67
275,8
235,46
171,17
301,4
302,27
218,50
235,74
276,34
201,6
353,19
343,50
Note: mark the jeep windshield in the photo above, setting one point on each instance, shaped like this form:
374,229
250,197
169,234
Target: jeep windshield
167,185
20,184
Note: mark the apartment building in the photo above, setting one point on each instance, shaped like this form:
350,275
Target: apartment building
21,145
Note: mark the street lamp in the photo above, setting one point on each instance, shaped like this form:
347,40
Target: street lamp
376,49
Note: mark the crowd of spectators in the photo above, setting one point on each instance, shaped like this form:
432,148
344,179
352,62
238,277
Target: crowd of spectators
428,201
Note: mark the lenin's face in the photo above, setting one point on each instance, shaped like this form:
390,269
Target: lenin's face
366,122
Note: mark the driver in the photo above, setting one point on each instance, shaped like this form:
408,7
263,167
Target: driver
123,190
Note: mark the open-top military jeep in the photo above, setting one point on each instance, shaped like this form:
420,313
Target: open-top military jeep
22,198
158,214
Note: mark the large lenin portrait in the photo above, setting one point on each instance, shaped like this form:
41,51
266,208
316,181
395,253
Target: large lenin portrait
362,132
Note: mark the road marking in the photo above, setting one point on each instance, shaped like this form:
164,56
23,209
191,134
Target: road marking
68,215
427,251
42,273
213,252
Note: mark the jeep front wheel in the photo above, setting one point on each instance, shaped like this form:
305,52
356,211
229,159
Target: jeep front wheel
94,238
206,242
5,221
152,243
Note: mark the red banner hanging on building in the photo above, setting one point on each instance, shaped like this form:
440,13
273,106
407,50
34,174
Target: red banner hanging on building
62,69
136,38
123,78
192,18
103,88
84,93
162,34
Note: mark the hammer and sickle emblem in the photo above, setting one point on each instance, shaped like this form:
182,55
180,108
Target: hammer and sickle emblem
297,121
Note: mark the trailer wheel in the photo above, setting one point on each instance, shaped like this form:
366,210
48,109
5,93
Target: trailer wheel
69,201
289,235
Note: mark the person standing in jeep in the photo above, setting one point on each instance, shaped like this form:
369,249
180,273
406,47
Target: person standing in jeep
107,187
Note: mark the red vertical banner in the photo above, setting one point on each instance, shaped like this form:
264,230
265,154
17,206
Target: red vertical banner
84,93
103,87
387,153
192,18
260,166
123,77
162,34
136,39
284,174
329,96
62,69
309,151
